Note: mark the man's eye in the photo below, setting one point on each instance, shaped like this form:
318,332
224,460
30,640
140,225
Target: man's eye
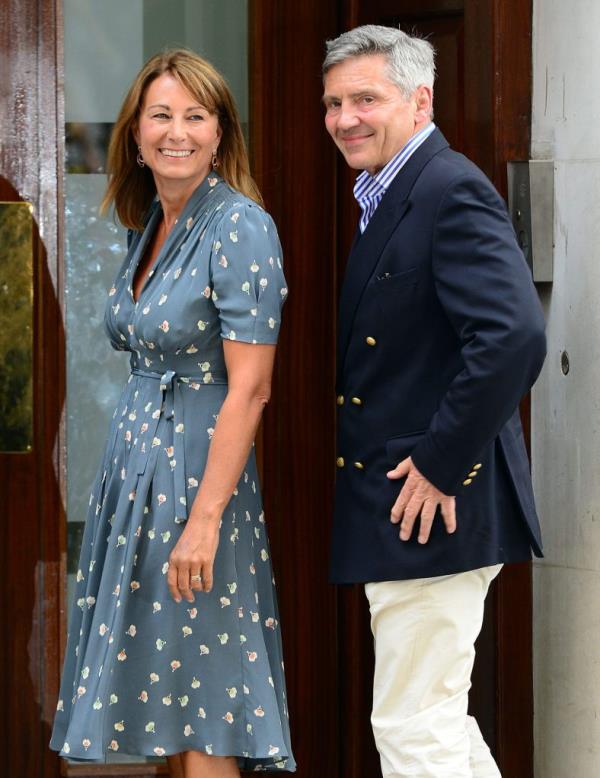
332,106
368,99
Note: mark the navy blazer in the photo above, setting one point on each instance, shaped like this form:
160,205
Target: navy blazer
440,336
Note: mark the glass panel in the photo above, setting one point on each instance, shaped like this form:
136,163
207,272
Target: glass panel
106,42
95,374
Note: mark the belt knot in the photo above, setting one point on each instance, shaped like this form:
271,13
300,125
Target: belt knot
171,409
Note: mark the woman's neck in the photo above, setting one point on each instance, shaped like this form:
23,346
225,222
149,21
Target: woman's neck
173,196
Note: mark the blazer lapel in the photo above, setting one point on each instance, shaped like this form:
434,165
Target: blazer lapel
368,247
361,263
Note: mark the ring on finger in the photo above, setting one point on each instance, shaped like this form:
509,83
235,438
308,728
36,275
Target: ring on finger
196,577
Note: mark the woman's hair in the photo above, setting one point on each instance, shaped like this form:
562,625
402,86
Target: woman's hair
410,60
130,187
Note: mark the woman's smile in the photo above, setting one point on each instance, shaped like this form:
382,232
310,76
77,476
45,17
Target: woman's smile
177,154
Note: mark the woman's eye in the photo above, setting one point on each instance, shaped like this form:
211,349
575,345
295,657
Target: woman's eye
196,117
160,116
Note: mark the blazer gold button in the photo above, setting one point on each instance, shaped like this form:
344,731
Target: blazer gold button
477,467
340,462
473,474
467,482
359,466
340,399
370,341
357,401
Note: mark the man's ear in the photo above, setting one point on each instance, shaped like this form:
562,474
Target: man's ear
424,103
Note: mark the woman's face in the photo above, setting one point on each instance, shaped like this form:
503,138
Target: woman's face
176,133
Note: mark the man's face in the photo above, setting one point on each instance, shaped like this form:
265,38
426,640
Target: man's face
367,115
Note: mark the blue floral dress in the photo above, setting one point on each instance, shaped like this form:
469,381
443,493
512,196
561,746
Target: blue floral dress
144,675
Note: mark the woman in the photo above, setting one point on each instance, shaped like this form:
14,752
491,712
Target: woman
174,646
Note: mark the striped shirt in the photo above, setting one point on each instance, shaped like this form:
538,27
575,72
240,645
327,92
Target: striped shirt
369,190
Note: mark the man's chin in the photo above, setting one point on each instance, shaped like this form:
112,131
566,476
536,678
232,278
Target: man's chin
355,161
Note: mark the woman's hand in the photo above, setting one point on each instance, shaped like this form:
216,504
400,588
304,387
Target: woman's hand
191,561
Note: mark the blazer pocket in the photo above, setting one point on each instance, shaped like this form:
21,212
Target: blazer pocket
394,294
396,282
400,446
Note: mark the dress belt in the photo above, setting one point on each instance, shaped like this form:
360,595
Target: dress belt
171,408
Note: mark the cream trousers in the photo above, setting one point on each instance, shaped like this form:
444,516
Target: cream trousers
424,631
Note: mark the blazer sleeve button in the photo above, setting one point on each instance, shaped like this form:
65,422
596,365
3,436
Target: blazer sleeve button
340,462
370,341
340,399
357,401
467,481
359,466
473,474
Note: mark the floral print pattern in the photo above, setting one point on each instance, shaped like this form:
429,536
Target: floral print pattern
144,675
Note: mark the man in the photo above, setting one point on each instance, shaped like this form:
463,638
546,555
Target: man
440,336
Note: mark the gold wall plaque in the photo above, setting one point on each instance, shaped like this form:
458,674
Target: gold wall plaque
16,327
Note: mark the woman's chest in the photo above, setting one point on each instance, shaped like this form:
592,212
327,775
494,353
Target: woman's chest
174,304
144,268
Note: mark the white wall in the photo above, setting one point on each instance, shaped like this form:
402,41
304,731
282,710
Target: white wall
566,409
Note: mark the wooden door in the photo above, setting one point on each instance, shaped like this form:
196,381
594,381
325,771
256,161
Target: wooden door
295,164
483,105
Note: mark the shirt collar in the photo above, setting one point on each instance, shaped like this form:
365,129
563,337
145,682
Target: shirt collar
367,185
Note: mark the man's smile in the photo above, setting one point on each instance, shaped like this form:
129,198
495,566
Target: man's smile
351,140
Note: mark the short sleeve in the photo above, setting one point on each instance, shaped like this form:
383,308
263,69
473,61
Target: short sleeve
248,285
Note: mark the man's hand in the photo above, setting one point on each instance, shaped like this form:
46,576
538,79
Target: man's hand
419,496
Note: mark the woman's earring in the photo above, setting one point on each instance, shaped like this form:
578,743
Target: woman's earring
140,159
214,161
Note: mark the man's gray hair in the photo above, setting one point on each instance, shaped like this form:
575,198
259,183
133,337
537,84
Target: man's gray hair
411,60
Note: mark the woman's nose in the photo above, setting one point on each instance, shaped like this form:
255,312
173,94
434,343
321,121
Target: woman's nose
177,130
